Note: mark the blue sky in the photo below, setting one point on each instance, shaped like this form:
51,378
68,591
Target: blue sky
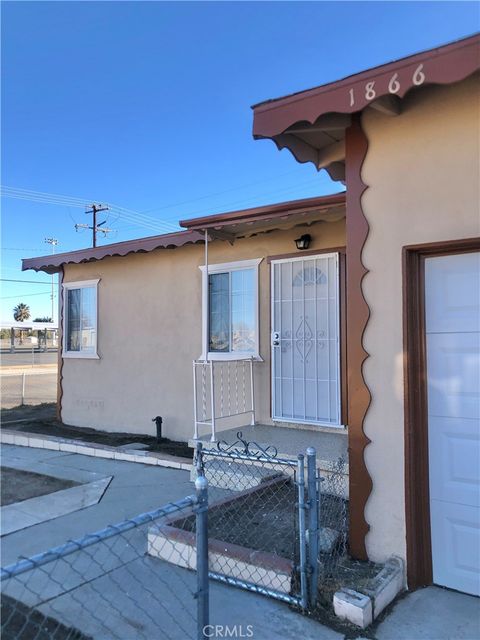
147,105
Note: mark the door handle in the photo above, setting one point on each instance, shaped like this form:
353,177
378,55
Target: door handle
275,339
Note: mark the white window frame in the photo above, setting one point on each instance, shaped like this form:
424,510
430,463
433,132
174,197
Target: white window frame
224,267
81,284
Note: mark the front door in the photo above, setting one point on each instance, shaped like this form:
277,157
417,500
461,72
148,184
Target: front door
452,324
305,340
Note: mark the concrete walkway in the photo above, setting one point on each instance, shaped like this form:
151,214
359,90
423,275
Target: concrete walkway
428,614
432,614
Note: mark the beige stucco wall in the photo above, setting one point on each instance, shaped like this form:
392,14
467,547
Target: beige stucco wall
149,331
422,170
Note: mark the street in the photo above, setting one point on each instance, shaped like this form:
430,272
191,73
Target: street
27,378
28,358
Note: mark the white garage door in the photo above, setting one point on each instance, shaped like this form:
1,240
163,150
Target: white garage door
452,309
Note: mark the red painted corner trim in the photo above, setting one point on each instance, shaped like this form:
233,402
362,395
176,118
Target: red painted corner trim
358,313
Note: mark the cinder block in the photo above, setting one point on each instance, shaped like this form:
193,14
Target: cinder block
354,607
387,585
8,438
20,441
327,539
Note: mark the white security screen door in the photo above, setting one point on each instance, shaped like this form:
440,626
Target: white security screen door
305,340
452,320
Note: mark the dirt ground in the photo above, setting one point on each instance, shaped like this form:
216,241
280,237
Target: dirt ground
265,520
20,622
19,485
46,411
41,419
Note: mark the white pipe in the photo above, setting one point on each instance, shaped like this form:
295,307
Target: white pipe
207,337
252,392
212,400
195,416
207,299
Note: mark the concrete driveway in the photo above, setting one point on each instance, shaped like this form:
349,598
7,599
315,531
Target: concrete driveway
428,614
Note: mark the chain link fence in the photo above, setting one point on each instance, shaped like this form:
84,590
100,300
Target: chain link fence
27,388
275,527
116,583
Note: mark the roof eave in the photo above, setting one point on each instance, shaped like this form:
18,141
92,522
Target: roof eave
381,87
263,213
54,263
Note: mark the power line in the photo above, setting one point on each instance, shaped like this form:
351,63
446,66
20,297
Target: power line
20,249
29,281
25,295
72,201
252,199
219,193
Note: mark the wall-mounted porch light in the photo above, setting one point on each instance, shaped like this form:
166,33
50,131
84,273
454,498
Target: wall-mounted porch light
303,242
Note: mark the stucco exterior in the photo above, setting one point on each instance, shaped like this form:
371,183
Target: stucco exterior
149,332
422,173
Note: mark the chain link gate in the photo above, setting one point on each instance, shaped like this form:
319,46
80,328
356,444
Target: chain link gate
263,519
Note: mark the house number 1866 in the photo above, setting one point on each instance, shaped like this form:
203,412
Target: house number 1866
418,78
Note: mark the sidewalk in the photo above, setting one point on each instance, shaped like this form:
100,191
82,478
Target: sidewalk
27,369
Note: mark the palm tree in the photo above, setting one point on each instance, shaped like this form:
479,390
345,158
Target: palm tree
21,312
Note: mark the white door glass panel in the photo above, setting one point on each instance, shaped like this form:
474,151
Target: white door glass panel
452,320
305,362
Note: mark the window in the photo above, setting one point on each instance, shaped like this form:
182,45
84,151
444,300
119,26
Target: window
80,319
231,328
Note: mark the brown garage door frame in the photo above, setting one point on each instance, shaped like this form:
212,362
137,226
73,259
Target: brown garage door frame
417,497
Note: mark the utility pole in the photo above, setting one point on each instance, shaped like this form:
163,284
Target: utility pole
96,208
53,242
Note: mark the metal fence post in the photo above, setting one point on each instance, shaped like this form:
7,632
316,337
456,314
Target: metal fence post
23,388
199,468
301,528
201,487
313,521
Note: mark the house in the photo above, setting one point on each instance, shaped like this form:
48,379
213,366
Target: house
371,334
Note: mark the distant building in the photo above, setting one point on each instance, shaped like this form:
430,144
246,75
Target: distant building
40,336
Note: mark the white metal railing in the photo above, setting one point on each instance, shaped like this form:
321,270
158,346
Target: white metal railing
222,389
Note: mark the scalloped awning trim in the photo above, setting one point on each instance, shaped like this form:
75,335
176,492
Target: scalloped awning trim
442,65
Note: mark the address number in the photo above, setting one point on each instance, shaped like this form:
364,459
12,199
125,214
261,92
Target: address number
394,86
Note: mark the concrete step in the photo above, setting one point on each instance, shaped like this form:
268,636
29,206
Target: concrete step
238,475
